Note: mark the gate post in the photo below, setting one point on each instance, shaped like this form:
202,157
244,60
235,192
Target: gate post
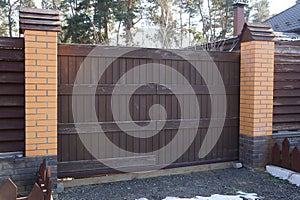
40,28
256,94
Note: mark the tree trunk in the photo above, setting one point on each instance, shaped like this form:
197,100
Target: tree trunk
210,21
10,23
118,33
129,23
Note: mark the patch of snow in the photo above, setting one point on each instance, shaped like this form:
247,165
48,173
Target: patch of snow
240,196
279,172
295,179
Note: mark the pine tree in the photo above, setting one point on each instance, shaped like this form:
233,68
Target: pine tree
261,10
9,10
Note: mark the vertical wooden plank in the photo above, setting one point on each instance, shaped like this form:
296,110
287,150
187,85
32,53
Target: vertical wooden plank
72,147
286,154
295,160
276,155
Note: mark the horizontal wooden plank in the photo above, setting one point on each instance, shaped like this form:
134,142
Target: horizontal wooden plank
55,28
279,43
12,146
144,53
287,93
287,49
12,135
286,76
12,101
12,112
44,21
88,173
38,11
6,66
12,124
286,109
12,89
8,42
119,162
287,59
286,126
144,89
11,55
286,118
11,77
131,126
287,67
280,101
286,85
37,16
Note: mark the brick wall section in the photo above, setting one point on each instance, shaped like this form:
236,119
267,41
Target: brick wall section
256,90
41,93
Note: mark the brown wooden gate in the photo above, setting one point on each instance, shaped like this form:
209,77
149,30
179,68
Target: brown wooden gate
12,91
76,161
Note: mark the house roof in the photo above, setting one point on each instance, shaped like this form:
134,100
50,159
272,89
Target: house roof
286,21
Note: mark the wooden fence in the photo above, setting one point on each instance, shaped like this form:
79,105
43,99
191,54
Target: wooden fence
284,158
72,154
286,116
12,91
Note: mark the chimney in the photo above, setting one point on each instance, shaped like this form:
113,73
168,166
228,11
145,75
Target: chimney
239,17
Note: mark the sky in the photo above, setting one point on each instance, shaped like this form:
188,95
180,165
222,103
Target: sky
277,6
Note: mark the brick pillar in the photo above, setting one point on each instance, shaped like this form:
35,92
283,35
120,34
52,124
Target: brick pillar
40,28
40,93
256,94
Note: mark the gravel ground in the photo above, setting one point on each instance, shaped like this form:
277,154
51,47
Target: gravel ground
226,182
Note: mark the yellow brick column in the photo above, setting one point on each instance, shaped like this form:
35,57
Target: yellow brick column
40,93
256,94
256,89
40,37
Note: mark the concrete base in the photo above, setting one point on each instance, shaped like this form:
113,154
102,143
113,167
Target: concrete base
284,174
143,175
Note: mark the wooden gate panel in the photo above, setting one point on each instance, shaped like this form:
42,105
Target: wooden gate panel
72,152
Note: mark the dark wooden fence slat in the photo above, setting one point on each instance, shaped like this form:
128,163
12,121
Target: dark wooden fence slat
286,118
8,77
286,126
286,110
6,66
8,191
7,42
276,155
12,101
12,146
295,160
12,135
12,89
12,112
11,55
290,67
286,154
